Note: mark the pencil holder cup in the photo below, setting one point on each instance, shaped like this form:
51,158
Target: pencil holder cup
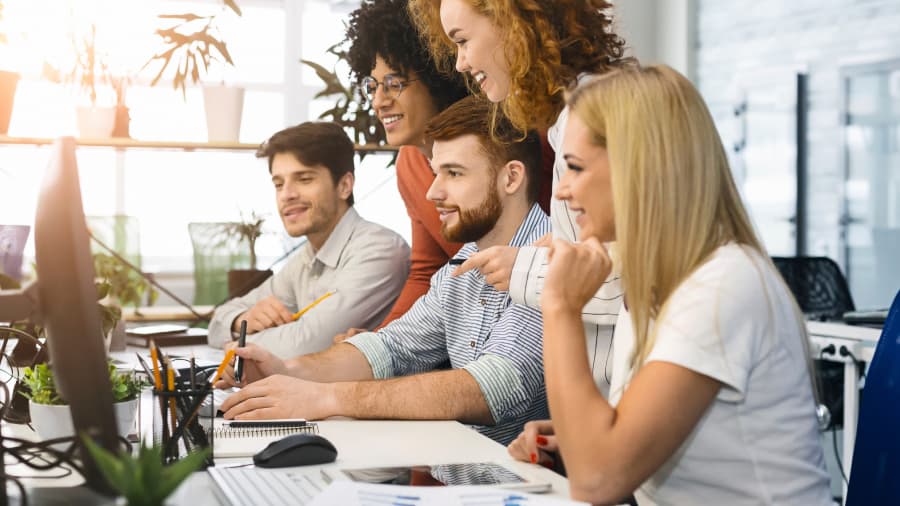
182,424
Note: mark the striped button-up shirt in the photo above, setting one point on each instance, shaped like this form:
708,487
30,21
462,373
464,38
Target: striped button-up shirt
477,328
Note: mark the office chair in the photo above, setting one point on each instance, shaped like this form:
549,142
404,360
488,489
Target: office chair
876,455
12,247
818,285
217,249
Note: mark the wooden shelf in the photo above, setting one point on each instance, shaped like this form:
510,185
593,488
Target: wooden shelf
123,143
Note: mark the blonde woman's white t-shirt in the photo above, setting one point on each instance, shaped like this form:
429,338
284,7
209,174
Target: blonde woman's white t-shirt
758,443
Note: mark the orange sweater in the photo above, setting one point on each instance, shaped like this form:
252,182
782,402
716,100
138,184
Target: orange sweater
430,251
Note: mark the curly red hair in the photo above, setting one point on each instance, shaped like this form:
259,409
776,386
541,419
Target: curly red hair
548,44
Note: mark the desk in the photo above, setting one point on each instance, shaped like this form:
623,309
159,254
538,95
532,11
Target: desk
861,342
360,443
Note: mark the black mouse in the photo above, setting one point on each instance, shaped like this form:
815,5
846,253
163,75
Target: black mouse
296,450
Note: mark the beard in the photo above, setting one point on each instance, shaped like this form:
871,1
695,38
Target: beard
475,223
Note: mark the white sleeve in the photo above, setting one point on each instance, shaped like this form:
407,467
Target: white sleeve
526,283
715,324
367,285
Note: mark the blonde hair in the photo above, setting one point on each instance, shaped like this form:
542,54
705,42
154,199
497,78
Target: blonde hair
548,43
674,198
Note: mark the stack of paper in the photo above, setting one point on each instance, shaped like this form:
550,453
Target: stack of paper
348,493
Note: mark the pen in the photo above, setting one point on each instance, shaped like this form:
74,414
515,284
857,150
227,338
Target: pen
300,313
457,261
193,373
154,357
228,356
239,362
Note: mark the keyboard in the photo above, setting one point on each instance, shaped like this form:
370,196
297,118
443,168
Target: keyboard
252,486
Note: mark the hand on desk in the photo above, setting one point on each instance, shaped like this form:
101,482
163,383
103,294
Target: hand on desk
536,444
258,364
265,314
494,263
281,396
347,335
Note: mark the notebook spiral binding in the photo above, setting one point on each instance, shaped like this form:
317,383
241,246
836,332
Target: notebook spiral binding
227,432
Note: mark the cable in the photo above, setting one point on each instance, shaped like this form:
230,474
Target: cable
860,365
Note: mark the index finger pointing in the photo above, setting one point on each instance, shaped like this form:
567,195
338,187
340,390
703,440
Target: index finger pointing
475,261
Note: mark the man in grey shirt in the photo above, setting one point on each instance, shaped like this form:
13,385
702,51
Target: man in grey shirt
364,264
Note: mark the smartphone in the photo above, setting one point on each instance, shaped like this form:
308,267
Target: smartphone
492,474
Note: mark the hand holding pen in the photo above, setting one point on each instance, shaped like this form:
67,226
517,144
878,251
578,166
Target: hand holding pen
258,363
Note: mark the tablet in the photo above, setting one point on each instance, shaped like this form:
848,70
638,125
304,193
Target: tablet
493,474
157,330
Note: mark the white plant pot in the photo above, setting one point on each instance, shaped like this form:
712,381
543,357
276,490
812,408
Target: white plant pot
95,122
224,107
51,422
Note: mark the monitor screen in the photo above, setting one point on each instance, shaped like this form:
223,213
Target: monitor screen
68,305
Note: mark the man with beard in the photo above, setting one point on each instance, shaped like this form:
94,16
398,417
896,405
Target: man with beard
364,264
484,190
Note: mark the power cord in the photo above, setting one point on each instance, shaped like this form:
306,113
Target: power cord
830,350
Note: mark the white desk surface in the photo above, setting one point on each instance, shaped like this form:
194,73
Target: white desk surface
843,331
360,443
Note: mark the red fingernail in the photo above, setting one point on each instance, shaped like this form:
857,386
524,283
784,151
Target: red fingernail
534,458
541,440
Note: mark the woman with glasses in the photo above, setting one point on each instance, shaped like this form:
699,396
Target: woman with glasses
398,77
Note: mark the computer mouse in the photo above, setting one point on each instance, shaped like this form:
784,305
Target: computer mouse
296,450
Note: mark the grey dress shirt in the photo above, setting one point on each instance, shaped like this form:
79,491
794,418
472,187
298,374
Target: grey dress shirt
366,263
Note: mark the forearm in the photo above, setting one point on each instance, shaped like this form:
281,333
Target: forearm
575,403
442,395
220,327
341,362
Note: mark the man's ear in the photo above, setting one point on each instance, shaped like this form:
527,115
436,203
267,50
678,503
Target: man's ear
512,177
345,186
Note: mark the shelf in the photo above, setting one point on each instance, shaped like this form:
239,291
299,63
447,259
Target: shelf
123,143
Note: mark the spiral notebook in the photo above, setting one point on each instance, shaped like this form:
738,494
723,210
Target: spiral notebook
234,438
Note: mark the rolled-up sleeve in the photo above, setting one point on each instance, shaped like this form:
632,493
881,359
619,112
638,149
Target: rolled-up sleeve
510,371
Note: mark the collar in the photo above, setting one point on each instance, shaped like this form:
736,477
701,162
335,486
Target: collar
330,252
524,234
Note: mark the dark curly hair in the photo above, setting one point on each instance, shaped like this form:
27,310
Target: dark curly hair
383,28
547,43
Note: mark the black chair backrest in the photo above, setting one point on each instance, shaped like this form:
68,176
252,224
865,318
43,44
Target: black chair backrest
818,285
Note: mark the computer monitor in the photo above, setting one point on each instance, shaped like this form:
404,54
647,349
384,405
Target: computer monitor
68,306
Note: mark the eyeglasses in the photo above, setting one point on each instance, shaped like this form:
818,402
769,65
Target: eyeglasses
393,86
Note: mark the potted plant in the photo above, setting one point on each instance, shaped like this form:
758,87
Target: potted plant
349,111
248,230
8,82
118,286
50,415
91,75
142,479
194,43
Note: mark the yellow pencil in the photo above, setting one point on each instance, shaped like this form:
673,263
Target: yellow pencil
154,356
170,373
227,360
300,313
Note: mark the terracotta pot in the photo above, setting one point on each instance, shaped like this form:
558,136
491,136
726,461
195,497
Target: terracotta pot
8,83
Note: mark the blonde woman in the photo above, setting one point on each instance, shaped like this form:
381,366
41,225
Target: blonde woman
712,399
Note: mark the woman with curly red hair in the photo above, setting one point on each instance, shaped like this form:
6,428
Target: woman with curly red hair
525,55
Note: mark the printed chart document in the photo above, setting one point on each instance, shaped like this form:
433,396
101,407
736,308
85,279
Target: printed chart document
348,493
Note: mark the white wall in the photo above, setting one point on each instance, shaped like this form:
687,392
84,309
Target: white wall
660,31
